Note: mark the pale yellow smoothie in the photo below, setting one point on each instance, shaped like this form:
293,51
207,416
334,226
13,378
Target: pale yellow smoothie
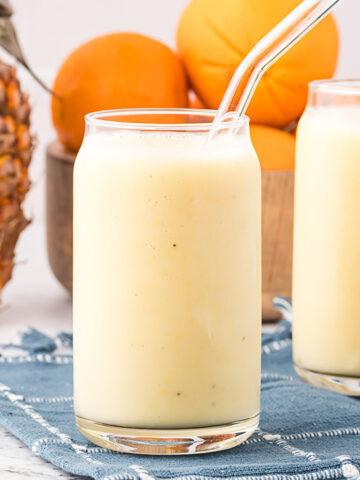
326,277
167,294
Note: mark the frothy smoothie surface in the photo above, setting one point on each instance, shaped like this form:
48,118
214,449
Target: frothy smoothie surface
167,307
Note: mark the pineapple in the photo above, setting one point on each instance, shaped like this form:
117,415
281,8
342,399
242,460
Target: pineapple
16,145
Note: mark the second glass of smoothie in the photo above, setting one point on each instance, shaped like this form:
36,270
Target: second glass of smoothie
167,289
326,276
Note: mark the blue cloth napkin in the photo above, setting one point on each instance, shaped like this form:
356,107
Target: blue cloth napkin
305,433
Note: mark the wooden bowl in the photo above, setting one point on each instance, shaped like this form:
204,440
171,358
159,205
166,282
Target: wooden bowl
277,224
59,211
277,238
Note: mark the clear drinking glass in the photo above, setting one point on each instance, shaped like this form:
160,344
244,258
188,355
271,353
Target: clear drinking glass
326,275
167,293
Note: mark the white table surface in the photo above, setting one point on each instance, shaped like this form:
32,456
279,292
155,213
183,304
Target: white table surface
17,462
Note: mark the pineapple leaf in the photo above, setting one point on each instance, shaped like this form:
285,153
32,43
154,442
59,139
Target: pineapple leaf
5,9
10,42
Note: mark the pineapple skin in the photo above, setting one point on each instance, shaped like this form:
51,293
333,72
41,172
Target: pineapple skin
16,146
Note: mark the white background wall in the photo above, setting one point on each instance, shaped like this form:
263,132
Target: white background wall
48,31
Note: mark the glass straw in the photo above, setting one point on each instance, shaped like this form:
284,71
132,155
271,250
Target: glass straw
269,49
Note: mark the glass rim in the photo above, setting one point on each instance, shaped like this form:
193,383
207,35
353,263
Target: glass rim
99,118
346,86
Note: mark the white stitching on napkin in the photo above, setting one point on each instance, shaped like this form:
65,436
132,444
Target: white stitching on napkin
84,448
18,401
284,306
348,468
303,435
142,472
320,475
40,357
79,449
275,346
338,432
277,376
48,399
52,441
280,442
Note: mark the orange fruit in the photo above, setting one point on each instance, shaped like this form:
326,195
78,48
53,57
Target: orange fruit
120,70
215,35
275,148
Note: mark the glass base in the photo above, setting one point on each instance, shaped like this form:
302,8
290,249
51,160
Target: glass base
336,383
167,442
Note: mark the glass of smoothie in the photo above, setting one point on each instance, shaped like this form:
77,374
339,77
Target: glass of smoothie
326,275
167,289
